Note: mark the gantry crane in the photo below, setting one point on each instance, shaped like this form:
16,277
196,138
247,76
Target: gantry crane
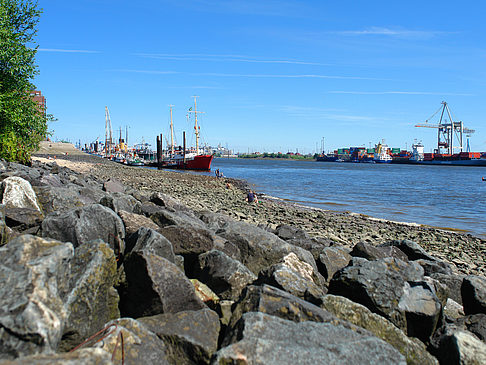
108,133
447,130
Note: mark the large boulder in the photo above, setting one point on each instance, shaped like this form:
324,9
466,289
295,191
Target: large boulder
225,276
259,248
168,202
273,301
164,217
91,300
129,341
410,248
452,282
17,192
393,289
119,201
295,277
151,241
331,260
133,222
22,219
474,323
191,336
188,240
473,292
453,346
85,224
67,197
154,286
370,252
413,349
263,339
113,186
33,274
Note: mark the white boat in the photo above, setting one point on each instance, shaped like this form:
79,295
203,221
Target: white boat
382,154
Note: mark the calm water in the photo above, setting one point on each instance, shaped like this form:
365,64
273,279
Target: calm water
440,196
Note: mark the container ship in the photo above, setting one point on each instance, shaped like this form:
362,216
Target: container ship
450,148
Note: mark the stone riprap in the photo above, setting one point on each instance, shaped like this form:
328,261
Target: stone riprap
128,256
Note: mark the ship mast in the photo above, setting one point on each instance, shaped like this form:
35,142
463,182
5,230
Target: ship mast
171,133
196,127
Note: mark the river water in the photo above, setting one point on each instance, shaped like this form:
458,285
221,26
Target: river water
439,196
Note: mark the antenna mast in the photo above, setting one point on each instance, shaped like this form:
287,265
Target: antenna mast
171,132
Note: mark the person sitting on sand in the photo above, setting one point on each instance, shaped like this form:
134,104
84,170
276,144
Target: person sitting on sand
251,197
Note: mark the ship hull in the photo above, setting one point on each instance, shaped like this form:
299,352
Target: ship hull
477,162
199,162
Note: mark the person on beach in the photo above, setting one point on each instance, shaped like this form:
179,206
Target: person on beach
216,173
251,197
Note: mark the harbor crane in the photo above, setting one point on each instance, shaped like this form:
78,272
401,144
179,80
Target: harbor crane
449,133
108,133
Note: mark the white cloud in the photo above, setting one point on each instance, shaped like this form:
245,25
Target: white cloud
226,58
398,93
398,32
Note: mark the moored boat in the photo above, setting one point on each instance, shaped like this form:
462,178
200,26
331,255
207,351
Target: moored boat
186,159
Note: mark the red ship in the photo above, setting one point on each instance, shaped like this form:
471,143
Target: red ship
186,159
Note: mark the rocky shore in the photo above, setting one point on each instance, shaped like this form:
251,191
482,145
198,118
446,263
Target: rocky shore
102,263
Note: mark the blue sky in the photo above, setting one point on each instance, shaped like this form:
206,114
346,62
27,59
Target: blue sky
270,75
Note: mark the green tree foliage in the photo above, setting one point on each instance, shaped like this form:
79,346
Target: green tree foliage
22,124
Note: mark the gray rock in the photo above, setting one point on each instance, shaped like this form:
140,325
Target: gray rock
113,186
133,222
85,224
273,301
378,285
18,193
474,323
140,345
295,277
259,248
163,218
453,346
313,245
191,336
146,239
50,180
187,239
120,201
225,276
473,291
286,232
23,218
413,349
91,300
167,201
453,284
263,339
215,221
61,199
89,356
436,266
331,260
453,310
155,286
422,309
410,248
33,272
368,251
